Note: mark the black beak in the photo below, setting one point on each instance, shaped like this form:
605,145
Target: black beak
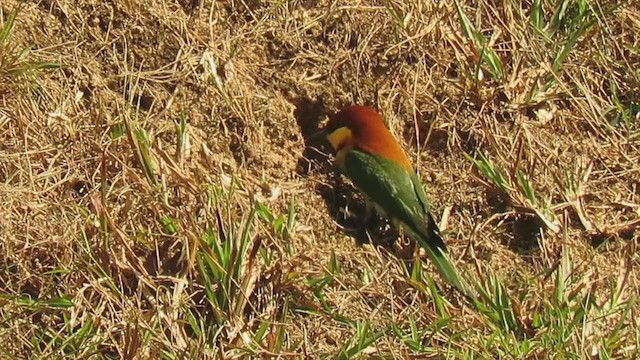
318,136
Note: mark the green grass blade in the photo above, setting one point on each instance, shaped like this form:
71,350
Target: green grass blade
5,31
487,55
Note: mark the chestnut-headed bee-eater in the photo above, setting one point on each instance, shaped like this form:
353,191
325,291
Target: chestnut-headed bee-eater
369,155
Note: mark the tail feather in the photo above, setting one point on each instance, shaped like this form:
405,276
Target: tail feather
442,261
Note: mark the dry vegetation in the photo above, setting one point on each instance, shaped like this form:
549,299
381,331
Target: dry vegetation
158,197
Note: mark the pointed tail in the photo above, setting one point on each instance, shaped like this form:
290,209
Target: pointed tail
444,265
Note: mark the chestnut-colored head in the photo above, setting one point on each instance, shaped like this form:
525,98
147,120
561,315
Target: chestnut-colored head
361,127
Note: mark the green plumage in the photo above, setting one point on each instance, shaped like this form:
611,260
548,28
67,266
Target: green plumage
399,194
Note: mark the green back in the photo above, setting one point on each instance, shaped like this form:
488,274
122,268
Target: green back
398,191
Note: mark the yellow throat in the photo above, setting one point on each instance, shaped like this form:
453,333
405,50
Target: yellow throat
341,140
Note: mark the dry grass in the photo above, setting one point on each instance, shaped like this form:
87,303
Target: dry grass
159,199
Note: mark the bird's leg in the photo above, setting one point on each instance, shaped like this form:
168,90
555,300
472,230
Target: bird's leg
369,222
371,218
404,246
368,211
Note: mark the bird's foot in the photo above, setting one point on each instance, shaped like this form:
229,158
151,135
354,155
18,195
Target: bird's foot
404,248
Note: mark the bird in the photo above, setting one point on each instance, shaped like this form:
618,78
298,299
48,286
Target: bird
367,153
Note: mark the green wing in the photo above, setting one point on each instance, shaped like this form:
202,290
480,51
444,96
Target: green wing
397,191
400,194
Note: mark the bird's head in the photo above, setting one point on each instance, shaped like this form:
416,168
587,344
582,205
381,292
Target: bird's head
362,128
351,124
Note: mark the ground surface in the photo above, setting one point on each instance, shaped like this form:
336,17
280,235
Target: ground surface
127,236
